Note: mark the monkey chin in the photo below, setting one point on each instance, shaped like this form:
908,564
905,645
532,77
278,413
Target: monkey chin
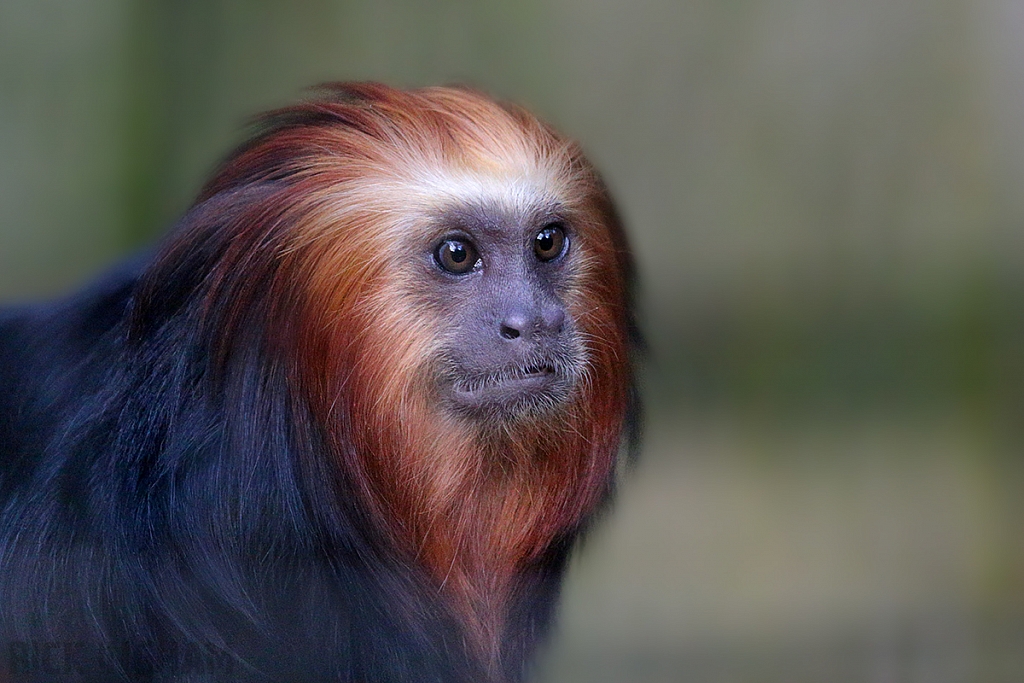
511,394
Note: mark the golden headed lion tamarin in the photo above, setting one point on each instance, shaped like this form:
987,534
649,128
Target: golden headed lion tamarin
344,425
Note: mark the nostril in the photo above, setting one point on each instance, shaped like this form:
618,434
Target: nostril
509,332
514,325
554,319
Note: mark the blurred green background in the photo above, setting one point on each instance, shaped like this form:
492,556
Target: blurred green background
825,201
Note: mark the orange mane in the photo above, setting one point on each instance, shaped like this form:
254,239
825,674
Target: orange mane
354,184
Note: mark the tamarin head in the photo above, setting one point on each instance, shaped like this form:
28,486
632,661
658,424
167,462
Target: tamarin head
445,284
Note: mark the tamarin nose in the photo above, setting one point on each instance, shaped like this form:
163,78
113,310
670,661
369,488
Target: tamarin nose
523,324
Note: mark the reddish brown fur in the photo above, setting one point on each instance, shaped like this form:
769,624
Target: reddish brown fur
472,506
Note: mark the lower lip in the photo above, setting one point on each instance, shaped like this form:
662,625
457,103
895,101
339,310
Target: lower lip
507,390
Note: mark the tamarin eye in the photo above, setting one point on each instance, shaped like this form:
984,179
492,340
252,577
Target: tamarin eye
550,242
456,256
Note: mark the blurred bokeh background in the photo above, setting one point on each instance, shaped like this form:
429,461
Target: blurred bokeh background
825,198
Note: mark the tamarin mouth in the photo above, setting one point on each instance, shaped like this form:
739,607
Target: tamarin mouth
512,385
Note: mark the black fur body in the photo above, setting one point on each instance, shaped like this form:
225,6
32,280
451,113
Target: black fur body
157,522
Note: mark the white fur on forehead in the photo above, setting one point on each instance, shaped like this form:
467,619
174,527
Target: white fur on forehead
518,181
424,191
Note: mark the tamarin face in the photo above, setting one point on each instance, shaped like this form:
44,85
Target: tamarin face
499,279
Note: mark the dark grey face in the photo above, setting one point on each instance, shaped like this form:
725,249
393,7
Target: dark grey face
511,347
